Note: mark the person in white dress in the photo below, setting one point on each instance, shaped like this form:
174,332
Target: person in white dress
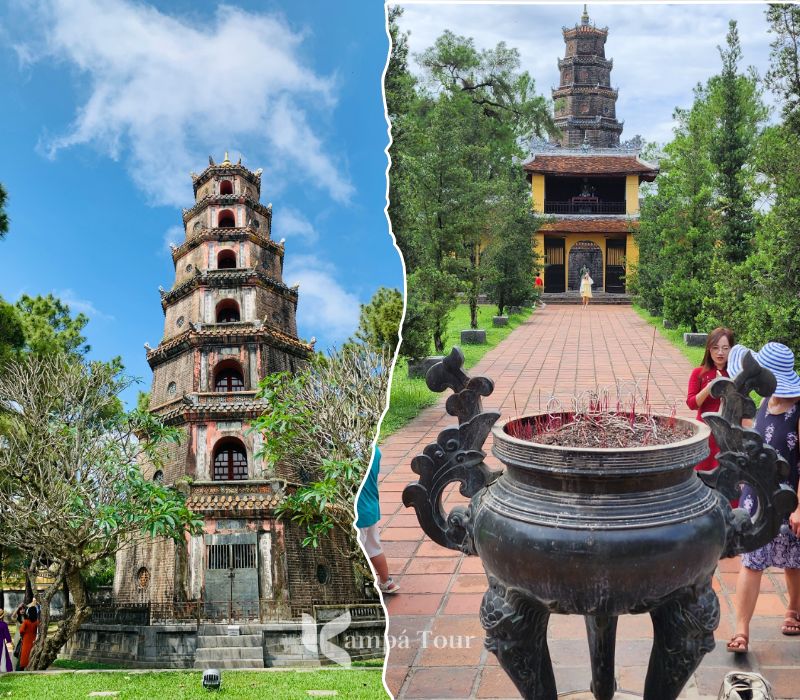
586,288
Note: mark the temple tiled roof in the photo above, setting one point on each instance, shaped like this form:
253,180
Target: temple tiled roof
242,498
227,200
588,225
225,234
259,331
226,278
226,168
591,165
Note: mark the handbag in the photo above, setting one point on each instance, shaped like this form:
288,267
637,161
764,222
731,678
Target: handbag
742,685
18,648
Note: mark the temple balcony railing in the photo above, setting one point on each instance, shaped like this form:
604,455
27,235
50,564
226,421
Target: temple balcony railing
215,398
263,610
584,207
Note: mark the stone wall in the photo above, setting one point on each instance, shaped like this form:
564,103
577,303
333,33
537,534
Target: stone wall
135,646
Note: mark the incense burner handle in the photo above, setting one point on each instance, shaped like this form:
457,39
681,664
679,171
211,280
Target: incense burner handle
456,456
744,458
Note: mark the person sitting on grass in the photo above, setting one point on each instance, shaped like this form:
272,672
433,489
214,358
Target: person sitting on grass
368,508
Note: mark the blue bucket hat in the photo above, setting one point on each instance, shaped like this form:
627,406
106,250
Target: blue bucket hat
779,360
736,358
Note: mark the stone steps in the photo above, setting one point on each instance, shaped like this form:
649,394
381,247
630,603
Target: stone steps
212,654
229,663
597,298
218,649
209,641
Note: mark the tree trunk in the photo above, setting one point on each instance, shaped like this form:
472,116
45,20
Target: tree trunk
28,586
438,338
475,290
47,648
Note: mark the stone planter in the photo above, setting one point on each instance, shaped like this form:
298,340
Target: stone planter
669,325
598,532
473,337
514,310
499,321
695,339
420,367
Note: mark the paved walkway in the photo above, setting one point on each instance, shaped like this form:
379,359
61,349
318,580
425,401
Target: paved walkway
438,641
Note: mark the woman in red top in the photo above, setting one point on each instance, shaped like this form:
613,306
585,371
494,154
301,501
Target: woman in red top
715,364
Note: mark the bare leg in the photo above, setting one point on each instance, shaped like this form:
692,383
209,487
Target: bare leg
747,587
381,567
793,588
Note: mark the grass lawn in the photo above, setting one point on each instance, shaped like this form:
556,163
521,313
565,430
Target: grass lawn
674,335
354,684
409,396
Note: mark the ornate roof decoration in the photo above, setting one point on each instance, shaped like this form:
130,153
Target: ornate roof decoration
226,168
227,199
593,162
225,278
229,333
251,498
225,234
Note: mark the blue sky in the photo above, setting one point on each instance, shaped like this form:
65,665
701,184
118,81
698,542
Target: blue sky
107,106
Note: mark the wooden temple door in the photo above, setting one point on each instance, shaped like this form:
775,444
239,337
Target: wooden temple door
554,271
615,265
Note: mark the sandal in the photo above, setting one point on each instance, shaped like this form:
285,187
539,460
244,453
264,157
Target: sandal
739,644
791,624
389,587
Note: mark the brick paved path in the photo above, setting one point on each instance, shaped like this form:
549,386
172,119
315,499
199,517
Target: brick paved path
560,350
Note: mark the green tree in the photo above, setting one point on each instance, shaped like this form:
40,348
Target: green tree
379,322
49,326
697,228
739,113
508,262
12,335
676,234
461,136
783,76
71,488
320,425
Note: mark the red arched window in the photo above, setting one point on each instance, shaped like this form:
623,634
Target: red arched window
228,376
230,461
227,311
226,259
226,187
226,219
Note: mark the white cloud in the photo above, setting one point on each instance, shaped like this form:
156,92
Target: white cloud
174,235
164,89
288,223
325,307
75,303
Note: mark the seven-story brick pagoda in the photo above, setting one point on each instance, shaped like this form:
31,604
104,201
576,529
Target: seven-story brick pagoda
229,320
584,181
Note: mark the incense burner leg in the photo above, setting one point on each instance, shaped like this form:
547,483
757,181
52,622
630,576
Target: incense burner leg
683,631
602,633
516,632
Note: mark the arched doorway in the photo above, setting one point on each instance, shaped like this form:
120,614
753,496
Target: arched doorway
585,254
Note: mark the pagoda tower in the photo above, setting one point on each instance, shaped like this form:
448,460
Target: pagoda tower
585,102
584,181
229,320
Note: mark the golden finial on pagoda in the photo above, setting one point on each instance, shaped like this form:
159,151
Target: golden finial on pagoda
585,15
226,161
